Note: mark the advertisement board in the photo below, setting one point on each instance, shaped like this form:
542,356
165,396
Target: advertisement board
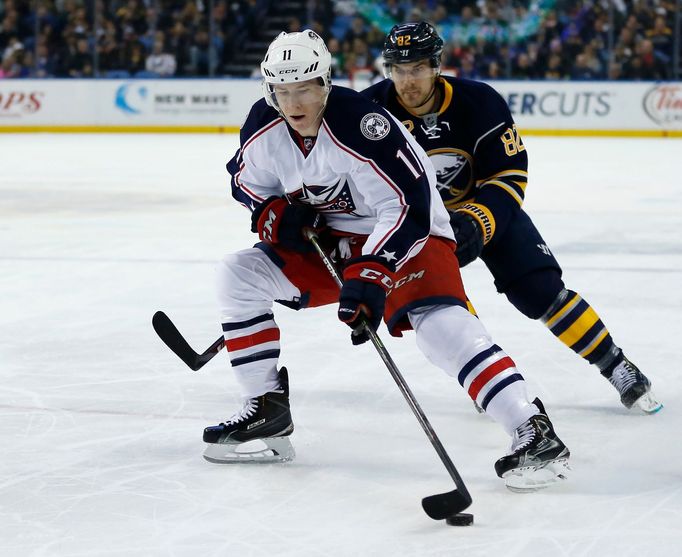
127,105
595,108
221,105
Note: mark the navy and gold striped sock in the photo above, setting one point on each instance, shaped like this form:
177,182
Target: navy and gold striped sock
575,323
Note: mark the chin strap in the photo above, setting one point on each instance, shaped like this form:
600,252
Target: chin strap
431,95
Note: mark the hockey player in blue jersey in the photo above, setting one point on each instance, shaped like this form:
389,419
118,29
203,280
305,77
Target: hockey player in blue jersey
320,157
481,162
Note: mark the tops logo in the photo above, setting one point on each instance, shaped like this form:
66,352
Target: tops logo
663,104
17,103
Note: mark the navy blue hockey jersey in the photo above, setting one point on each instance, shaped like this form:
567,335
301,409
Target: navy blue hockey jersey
472,142
365,173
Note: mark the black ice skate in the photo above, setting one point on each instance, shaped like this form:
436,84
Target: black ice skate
257,433
538,457
633,386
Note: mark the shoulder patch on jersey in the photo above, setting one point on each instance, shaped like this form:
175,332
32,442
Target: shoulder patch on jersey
374,126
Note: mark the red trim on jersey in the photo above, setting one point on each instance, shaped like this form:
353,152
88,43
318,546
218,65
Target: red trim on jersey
241,155
242,187
487,374
383,176
261,337
261,132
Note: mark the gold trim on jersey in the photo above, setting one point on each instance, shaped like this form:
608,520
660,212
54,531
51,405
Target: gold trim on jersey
516,189
447,90
506,187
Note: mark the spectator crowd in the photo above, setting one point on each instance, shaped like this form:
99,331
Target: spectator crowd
485,39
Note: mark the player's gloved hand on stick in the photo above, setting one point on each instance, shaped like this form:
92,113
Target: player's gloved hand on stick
279,222
366,280
468,235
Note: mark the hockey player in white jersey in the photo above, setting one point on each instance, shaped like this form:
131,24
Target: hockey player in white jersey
324,158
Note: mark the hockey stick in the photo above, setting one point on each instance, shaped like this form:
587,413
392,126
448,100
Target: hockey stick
170,335
441,505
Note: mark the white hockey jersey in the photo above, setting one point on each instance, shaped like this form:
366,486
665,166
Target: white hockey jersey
365,173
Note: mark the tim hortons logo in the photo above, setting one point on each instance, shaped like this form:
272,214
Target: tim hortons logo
663,104
16,103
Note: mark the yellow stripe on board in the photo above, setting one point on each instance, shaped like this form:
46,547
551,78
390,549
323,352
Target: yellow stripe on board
235,129
605,133
120,129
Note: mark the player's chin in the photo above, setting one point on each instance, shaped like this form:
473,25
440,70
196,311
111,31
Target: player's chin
297,120
411,99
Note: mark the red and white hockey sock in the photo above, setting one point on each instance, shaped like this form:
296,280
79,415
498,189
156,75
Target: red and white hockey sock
492,380
458,343
253,349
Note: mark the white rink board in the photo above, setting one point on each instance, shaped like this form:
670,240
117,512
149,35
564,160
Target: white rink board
222,105
137,103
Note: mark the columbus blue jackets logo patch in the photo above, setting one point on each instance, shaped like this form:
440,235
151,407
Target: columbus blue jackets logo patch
336,198
375,126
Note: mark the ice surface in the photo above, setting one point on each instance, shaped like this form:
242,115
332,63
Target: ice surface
101,425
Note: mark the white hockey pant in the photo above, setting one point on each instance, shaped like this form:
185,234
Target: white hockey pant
458,343
248,282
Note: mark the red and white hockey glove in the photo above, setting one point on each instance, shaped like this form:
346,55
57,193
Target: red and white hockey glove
279,222
366,281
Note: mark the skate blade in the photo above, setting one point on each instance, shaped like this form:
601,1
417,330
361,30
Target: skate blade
263,451
533,478
648,404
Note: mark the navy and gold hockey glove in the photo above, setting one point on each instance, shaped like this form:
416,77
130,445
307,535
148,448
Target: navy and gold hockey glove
473,225
279,222
366,280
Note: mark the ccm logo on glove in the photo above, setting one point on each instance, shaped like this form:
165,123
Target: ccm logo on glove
372,275
267,231
363,295
279,222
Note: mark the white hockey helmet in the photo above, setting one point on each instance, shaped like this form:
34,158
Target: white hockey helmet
293,58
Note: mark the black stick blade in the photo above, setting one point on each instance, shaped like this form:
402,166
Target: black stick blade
170,335
211,351
443,505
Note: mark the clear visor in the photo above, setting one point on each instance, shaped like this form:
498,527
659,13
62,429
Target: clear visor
287,95
403,72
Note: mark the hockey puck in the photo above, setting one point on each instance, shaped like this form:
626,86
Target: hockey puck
460,519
